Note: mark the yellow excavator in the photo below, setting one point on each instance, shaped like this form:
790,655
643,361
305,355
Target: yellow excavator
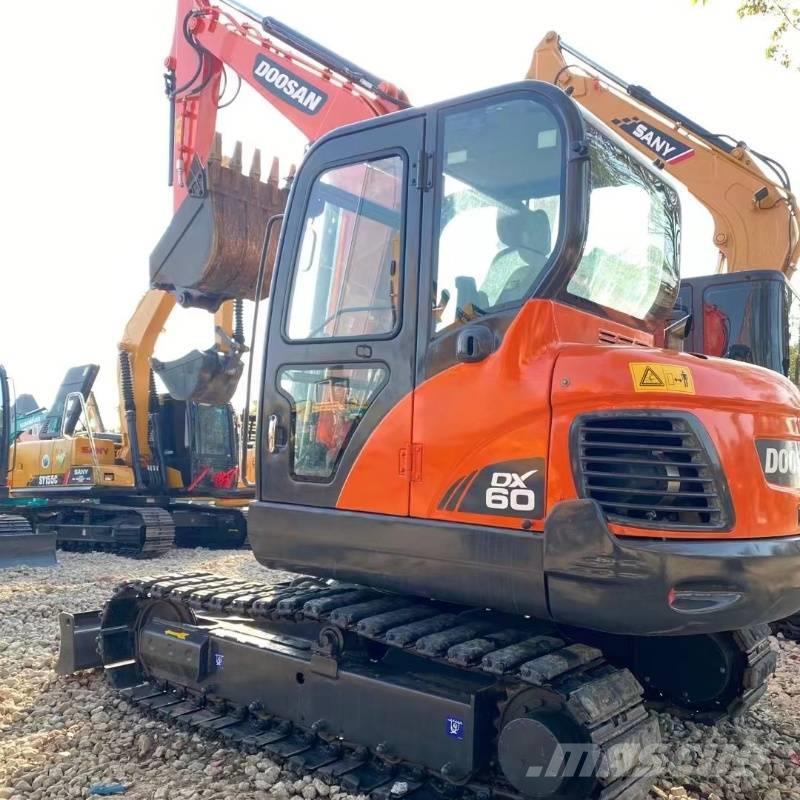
746,309
180,471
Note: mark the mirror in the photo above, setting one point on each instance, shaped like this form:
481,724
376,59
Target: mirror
678,330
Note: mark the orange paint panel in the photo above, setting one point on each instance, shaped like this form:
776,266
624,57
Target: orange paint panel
555,363
376,481
735,403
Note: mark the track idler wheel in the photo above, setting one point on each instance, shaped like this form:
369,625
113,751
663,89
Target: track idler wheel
542,756
697,674
542,751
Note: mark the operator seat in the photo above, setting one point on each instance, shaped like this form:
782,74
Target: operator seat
526,236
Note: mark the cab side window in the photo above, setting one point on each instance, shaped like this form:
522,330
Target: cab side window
500,195
346,282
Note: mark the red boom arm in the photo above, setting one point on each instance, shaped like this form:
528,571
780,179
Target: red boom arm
313,96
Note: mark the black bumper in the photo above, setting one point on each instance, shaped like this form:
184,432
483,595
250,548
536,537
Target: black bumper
577,573
598,580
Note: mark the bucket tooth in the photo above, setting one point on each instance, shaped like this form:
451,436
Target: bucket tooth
236,158
255,165
274,171
216,148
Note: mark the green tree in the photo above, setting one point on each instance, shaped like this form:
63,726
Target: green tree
785,18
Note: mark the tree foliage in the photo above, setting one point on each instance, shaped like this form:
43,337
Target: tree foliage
785,18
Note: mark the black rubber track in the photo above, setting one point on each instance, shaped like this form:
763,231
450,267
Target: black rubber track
605,702
789,627
139,532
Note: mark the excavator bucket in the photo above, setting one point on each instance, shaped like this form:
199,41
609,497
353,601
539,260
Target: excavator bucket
211,250
208,376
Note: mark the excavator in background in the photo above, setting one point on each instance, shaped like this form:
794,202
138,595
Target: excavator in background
173,471
747,309
20,545
516,536
134,494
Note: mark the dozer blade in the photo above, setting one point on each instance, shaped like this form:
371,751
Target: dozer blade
78,649
208,376
20,546
212,248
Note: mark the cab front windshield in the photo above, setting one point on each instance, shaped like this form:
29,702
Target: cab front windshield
629,269
500,217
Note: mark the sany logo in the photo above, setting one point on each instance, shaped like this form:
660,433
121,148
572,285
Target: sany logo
510,490
669,150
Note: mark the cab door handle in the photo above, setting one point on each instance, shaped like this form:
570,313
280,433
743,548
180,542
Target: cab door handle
276,435
272,433
474,343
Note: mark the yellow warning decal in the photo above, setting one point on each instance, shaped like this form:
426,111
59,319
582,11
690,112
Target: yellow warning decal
176,634
649,377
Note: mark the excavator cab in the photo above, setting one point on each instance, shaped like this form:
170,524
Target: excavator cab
751,316
64,413
200,442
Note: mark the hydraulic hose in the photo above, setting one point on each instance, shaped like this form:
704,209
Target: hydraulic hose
126,379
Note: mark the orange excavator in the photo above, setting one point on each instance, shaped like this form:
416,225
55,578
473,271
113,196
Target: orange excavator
519,523
747,310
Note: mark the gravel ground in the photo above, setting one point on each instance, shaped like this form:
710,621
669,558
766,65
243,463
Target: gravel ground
58,736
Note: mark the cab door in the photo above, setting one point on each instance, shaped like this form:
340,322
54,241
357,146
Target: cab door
340,350
498,221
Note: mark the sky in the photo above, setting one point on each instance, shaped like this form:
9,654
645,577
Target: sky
84,134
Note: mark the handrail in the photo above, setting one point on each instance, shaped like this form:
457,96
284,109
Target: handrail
85,414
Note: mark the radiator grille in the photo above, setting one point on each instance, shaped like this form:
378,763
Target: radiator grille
649,470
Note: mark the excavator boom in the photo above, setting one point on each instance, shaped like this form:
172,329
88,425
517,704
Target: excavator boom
748,194
211,250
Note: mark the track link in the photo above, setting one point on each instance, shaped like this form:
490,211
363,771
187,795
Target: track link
531,663
789,627
761,661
